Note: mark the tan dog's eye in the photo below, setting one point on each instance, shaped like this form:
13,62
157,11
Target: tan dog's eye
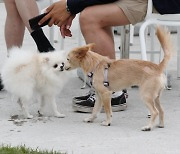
55,66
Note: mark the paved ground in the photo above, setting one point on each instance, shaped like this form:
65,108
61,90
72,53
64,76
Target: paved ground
72,135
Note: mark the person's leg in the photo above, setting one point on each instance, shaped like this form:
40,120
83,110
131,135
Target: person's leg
14,26
18,14
96,23
27,10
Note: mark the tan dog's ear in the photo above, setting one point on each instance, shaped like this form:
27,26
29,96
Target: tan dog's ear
91,46
81,52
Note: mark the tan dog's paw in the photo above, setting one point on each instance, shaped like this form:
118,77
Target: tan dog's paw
160,126
146,128
105,123
59,115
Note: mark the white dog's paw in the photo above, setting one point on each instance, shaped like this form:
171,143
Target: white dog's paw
146,128
105,123
40,114
59,115
29,116
89,119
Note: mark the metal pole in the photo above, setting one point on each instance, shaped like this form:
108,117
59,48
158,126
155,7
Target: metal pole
125,38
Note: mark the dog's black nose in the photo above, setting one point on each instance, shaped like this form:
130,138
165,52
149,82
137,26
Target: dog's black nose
62,67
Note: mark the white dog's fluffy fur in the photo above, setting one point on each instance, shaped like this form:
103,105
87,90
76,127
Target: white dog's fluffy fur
26,74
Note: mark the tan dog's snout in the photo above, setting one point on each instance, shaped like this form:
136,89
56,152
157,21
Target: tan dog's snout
67,66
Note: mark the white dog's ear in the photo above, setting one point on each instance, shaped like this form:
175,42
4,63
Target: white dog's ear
45,60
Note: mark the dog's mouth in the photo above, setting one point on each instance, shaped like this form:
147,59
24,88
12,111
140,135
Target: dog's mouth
61,69
67,68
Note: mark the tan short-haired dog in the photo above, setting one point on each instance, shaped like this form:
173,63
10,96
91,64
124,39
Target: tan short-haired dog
122,74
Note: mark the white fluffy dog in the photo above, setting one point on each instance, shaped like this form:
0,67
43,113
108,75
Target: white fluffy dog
26,74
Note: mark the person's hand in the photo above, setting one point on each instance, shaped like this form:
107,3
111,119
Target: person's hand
65,28
57,12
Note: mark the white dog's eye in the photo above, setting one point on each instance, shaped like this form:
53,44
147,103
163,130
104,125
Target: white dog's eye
67,59
55,66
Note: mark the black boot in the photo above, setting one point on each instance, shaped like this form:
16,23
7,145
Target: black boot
41,40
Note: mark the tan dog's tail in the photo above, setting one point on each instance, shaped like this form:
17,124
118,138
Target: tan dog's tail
167,46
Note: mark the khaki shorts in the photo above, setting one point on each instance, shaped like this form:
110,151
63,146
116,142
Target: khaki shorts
135,10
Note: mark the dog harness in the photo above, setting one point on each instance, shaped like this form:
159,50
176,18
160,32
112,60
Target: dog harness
106,82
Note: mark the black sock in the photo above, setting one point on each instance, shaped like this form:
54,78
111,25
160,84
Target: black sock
41,41
1,85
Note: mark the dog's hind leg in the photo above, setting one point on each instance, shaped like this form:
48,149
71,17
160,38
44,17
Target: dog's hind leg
161,112
24,106
97,108
153,111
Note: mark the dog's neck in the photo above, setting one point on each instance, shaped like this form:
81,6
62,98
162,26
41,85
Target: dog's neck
91,61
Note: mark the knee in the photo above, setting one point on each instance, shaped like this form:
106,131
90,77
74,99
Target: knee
11,8
10,4
87,19
9,1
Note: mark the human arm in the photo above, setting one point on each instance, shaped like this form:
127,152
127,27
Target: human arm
167,6
76,6
65,28
60,11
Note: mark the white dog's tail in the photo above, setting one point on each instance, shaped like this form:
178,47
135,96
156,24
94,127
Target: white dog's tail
167,46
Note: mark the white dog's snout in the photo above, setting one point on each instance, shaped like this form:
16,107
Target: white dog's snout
62,66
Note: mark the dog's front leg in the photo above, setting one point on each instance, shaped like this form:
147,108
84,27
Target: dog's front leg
52,100
84,82
96,110
106,98
42,104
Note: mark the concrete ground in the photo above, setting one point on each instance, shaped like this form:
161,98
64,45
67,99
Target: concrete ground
72,135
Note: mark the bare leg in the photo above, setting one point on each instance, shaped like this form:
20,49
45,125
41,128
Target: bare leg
27,9
13,26
18,14
96,23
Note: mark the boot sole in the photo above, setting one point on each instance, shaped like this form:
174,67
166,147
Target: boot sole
86,109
